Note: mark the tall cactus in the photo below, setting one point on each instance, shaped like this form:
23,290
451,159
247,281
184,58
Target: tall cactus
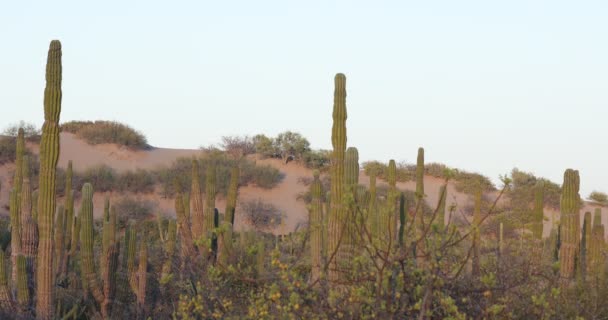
187,244
586,243
19,165
69,217
225,240
29,230
597,244
210,191
476,269
14,203
315,222
336,217
49,154
538,211
59,234
169,250
23,293
372,212
104,295
441,207
389,224
196,203
569,207
351,180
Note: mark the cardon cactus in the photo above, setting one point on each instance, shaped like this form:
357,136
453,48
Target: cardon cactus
569,210
586,243
337,214
538,211
225,239
19,165
59,238
351,180
209,214
372,212
389,223
187,243
49,154
104,295
29,230
15,233
441,207
597,244
476,269
169,248
315,222
6,299
69,218
196,203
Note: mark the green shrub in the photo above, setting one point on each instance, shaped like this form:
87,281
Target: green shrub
261,215
8,147
141,181
129,208
599,197
107,132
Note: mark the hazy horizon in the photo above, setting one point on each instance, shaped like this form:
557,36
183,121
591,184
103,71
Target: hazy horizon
485,87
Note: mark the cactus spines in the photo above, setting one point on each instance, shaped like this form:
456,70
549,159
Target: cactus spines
569,210
49,154
196,203
316,227
336,217
476,269
538,211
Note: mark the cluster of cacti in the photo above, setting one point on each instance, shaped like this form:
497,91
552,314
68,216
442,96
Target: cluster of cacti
102,292
570,223
336,220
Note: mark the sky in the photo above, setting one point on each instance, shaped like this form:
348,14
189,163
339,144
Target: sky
485,86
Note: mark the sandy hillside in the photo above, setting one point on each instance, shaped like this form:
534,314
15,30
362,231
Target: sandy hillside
283,196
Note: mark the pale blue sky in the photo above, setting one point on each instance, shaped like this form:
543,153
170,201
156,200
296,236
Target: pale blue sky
482,85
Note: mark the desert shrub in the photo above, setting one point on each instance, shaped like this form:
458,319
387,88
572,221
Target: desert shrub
265,146
103,178
30,131
261,215
317,159
137,209
7,149
107,132
140,180
179,173
238,146
521,193
599,197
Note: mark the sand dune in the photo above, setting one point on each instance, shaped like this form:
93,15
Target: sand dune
283,196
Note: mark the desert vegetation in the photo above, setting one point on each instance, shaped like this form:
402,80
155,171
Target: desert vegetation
368,251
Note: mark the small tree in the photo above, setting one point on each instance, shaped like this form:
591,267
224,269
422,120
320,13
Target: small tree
599,197
264,146
291,144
